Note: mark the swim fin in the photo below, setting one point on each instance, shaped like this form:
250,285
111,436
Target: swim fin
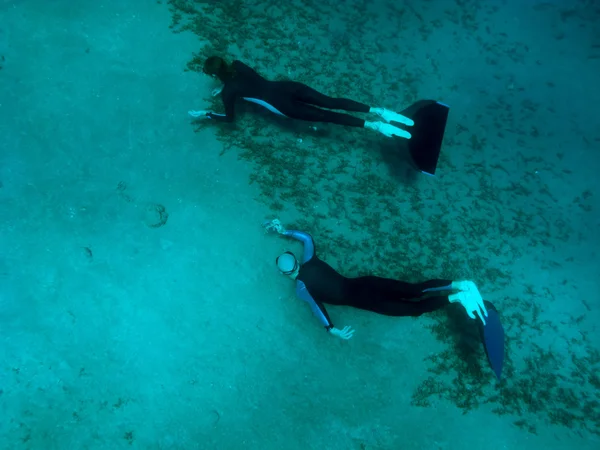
430,119
492,337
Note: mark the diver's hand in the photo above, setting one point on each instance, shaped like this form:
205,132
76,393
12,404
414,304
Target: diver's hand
202,114
216,91
345,333
273,225
470,298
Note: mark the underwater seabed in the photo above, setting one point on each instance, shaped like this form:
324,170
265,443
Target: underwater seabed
139,302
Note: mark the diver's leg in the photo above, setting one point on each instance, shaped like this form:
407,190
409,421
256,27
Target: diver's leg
403,290
402,308
298,101
412,309
303,111
394,297
435,286
306,94
311,96
296,109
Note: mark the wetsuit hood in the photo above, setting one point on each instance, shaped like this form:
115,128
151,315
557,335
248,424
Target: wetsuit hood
217,66
287,263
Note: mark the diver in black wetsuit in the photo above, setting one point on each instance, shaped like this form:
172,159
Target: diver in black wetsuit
317,283
291,99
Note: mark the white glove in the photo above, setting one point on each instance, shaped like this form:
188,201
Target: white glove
388,130
391,116
202,114
345,333
470,298
273,225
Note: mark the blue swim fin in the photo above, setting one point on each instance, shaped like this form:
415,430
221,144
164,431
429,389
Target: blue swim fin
492,336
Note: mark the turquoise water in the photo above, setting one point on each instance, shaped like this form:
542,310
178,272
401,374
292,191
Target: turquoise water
139,304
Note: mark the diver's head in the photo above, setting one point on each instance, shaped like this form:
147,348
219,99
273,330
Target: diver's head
217,67
288,264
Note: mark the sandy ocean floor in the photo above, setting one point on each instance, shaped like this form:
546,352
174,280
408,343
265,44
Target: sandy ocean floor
139,302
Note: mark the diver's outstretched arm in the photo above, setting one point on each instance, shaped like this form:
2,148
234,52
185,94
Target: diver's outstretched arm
306,239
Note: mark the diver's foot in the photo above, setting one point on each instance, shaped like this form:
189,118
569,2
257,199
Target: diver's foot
391,116
388,129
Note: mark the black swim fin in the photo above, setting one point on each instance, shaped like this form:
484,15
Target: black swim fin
430,119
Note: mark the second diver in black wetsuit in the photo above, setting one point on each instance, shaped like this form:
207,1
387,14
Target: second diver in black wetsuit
318,284
291,99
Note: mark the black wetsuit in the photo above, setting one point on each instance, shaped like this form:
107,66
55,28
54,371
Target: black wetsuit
318,283
286,98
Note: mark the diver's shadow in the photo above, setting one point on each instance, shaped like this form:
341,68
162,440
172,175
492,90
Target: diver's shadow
284,124
393,151
396,156
466,338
